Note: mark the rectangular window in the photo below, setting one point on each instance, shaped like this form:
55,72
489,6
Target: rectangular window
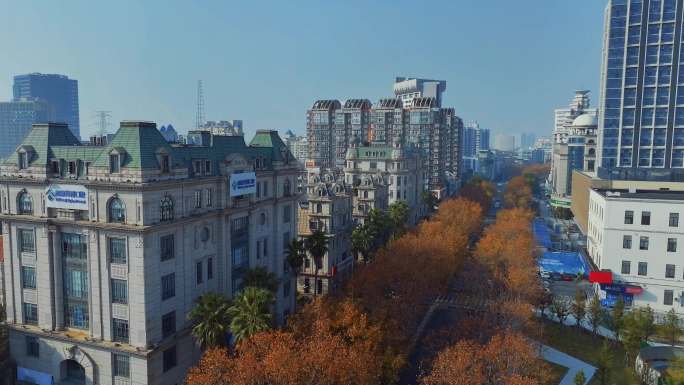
643,243
645,218
258,190
168,283
672,244
627,242
629,217
258,249
30,313
166,245
287,213
28,277
286,239
668,296
74,246
643,268
209,203
114,164
198,272
210,268
32,347
626,267
165,166
73,167
674,219
23,160
265,244
669,271
119,291
197,167
168,324
27,242
119,330
169,358
121,365
207,167
117,250
265,189
198,199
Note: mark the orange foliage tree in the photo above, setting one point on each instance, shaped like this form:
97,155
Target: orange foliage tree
507,358
398,286
480,191
330,343
518,193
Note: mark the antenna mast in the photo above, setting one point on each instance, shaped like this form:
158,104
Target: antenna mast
199,119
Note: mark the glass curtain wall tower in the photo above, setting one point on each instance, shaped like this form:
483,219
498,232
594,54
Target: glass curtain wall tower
641,121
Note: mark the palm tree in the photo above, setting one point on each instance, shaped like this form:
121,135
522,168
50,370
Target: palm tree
295,254
399,215
361,240
250,313
211,320
260,277
317,245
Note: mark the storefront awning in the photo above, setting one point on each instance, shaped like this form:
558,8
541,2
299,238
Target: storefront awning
603,277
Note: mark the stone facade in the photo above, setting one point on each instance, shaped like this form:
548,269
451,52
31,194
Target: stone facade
328,208
104,290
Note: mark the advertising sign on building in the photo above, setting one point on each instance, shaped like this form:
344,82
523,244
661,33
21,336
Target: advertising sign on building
242,183
67,196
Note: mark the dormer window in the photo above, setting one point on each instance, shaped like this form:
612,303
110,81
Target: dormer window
165,163
23,160
54,166
114,163
73,167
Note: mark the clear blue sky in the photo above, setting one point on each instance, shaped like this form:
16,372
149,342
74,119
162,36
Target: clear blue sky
508,64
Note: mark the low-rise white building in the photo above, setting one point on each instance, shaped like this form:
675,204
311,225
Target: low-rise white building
639,237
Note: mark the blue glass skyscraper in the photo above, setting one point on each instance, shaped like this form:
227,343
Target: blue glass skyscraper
60,92
641,109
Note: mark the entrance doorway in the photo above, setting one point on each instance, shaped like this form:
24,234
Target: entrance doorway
74,373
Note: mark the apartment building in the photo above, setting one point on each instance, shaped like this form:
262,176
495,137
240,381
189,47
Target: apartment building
637,235
397,168
107,247
352,127
413,119
328,208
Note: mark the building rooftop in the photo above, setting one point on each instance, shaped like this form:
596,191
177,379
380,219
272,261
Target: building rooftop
139,143
326,105
641,194
357,103
585,120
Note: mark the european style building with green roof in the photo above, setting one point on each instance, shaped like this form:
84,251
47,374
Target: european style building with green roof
108,246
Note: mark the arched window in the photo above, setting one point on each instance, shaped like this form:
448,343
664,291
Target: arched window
24,203
286,188
117,211
166,208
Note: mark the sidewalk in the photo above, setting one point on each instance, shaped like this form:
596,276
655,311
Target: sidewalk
570,321
573,364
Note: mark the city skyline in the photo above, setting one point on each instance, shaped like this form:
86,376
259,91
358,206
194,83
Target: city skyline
119,65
